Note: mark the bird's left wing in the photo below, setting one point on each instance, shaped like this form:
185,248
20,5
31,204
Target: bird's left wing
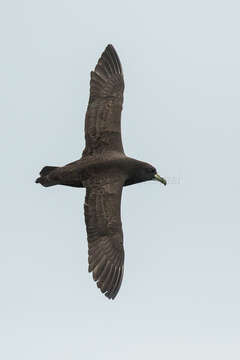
102,210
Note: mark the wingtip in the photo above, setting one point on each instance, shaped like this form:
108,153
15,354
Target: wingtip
111,59
110,46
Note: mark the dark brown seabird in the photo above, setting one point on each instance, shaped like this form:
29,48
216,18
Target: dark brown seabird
103,170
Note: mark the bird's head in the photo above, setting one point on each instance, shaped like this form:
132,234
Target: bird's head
144,172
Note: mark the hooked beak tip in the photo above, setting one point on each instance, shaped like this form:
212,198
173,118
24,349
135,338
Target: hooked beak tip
161,179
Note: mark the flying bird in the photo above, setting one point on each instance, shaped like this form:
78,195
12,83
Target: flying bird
103,170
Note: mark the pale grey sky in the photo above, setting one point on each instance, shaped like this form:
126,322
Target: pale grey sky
180,294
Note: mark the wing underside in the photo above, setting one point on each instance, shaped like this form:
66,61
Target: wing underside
103,117
105,236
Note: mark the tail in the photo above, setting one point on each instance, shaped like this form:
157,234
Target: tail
44,179
47,169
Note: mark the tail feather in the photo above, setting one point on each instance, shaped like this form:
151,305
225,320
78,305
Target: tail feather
47,169
44,178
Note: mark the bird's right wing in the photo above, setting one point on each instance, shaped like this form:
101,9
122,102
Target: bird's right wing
103,117
102,210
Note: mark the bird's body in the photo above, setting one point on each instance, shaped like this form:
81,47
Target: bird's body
78,173
103,170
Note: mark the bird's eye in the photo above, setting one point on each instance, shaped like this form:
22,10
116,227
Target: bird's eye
152,170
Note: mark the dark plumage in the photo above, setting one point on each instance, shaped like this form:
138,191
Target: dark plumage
103,170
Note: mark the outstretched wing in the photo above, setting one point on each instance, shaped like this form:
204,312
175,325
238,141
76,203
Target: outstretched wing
102,210
103,117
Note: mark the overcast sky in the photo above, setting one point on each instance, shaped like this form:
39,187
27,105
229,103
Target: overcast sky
180,294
